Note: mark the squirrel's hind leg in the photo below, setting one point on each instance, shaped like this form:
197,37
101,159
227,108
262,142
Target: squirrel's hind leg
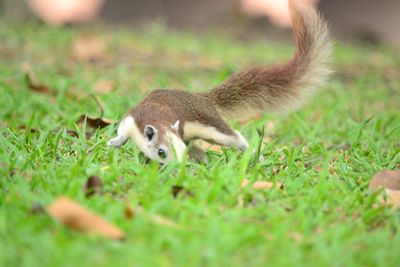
241,142
230,140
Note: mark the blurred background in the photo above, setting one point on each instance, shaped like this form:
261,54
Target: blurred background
370,21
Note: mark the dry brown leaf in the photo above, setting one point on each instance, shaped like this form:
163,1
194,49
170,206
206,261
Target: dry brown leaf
93,186
94,122
104,86
80,218
32,130
33,84
128,212
88,48
75,134
179,190
44,89
260,185
386,179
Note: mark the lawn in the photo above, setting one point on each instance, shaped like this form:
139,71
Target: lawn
324,155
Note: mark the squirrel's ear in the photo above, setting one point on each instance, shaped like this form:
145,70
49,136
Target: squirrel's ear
175,126
150,133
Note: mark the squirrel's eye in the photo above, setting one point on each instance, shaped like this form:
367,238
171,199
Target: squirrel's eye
161,153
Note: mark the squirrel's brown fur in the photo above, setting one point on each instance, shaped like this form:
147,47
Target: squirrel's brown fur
172,105
201,115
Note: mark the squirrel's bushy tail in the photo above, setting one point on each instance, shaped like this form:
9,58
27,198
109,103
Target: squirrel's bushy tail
285,86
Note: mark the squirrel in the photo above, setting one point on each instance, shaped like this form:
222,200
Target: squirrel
167,120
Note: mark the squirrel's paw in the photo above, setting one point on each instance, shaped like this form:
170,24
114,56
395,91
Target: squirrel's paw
117,141
197,154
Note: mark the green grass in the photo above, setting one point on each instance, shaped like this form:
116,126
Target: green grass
324,155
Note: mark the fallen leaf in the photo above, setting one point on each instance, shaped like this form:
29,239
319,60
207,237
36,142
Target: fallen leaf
80,218
260,185
177,190
24,128
104,86
93,186
386,179
32,84
128,212
94,122
75,134
88,48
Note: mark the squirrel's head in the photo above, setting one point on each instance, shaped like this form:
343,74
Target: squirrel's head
162,142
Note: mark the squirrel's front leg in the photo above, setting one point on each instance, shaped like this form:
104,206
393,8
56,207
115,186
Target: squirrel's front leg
196,151
122,136
231,138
